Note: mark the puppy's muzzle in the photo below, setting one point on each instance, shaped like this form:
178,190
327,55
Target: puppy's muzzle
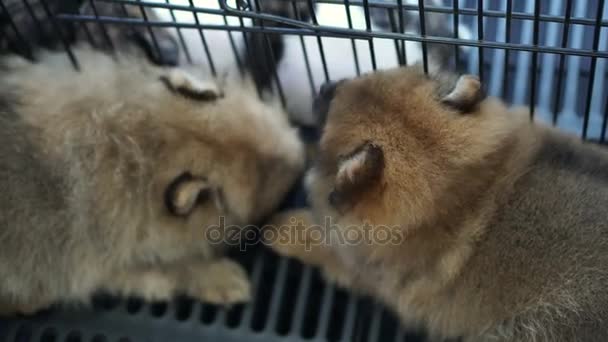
323,100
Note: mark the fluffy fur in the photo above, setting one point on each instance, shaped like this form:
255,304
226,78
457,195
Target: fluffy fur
502,223
111,178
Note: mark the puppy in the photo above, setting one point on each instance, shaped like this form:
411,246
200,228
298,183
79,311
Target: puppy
497,228
123,176
33,27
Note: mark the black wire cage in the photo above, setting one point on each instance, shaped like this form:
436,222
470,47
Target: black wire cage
547,55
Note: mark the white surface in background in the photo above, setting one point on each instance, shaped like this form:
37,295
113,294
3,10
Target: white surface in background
292,71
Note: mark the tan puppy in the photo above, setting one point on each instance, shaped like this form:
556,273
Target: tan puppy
111,178
501,225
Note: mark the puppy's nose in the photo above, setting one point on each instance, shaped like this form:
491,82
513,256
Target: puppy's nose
322,101
327,88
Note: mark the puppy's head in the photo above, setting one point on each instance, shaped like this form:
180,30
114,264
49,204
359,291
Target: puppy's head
187,154
224,156
157,155
401,148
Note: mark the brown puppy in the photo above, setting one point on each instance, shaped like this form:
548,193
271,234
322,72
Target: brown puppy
500,224
113,177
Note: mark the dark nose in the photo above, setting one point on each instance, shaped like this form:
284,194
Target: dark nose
328,88
322,101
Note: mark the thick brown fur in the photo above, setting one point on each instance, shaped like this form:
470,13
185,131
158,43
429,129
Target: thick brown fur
503,222
86,161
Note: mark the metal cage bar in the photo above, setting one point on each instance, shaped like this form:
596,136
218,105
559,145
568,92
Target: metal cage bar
480,16
522,46
179,34
323,31
59,34
246,12
534,66
562,59
313,17
353,44
233,46
203,39
596,43
18,35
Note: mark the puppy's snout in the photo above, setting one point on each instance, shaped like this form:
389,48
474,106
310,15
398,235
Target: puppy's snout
327,89
322,101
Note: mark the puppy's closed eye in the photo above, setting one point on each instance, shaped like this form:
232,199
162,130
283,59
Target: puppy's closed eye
185,192
182,83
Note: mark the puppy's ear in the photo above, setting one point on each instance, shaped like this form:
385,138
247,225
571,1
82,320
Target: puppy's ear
185,192
188,86
466,95
357,172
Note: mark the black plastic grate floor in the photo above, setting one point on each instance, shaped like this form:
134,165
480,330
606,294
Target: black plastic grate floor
291,303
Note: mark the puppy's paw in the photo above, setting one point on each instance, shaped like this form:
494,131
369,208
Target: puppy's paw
153,286
183,83
336,275
149,284
287,233
293,234
223,282
10,309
